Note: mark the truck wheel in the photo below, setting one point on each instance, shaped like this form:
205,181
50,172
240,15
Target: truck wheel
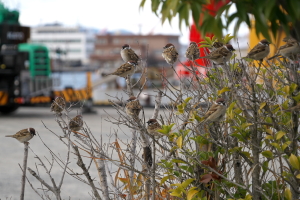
8,109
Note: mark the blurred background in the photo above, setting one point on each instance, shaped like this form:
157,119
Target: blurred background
53,48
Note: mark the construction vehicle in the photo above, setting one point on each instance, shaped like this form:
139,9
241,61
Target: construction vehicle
25,72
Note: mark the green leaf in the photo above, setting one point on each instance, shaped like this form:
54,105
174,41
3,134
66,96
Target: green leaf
294,161
225,89
205,46
178,161
166,129
186,183
267,154
285,145
276,145
279,135
164,179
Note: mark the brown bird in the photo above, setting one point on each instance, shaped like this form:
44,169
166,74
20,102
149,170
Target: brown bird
216,112
128,54
289,50
23,135
153,127
260,51
170,53
220,55
133,107
76,123
58,105
125,70
215,46
192,52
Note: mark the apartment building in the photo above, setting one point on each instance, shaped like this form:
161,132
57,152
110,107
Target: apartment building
72,45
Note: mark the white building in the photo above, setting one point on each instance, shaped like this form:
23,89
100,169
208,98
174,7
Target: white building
75,43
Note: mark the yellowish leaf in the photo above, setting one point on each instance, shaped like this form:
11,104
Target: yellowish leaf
225,89
298,176
279,135
288,194
179,141
191,193
248,197
294,161
263,104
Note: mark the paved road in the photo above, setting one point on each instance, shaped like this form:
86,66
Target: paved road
11,152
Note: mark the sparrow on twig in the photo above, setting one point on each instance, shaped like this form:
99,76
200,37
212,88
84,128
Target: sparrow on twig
128,54
192,52
58,105
133,107
289,50
75,123
260,51
170,53
221,55
216,112
153,127
125,70
23,135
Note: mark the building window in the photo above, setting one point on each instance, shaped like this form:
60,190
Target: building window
116,41
100,52
101,41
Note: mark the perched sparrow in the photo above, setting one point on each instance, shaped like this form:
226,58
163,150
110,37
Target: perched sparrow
192,52
216,112
289,50
133,107
125,70
76,123
128,54
170,54
23,135
223,53
152,128
58,105
215,46
289,39
260,51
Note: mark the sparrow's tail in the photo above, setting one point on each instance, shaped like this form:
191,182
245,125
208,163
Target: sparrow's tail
9,136
273,57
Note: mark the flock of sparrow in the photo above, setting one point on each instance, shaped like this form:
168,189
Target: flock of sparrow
219,55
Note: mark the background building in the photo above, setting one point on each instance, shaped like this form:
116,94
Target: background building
71,45
107,49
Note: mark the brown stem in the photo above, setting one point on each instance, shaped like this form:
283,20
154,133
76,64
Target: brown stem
23,181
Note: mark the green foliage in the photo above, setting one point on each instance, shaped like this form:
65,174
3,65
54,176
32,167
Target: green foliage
268,15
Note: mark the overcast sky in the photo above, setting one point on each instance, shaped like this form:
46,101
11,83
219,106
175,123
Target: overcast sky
100,14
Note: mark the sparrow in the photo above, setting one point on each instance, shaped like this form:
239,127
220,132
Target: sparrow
170,53
76,123
152,128
58,105
289,50
260,51
192,52
128,54
23,135
221,54
133,107
215,46
125,70
216,112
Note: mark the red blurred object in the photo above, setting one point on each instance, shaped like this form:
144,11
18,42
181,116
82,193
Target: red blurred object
196,36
